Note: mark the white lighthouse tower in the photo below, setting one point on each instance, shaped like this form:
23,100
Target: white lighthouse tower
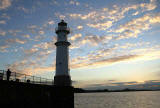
62,77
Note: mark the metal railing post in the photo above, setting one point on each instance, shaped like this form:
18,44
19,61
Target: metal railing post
33,79
14,76
40,80
3,74
25,78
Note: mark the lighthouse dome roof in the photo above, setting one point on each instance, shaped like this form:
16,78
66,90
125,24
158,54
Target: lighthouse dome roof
62,23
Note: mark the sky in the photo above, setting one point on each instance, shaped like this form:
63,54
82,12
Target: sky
114,43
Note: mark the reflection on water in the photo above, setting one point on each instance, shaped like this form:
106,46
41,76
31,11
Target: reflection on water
141,99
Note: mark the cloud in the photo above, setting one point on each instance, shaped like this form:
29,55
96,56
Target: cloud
97,19
98,60
29,67
31,51
3,48
142,7
101,26
41,32
60,16
136,13
154,53
107,56
51,22
26,36
90,39
104,18
74,2
38,38
131,45
74,15
54,2
34,59
111,80
79,27
2,33
5,16
134,27
23,9
5,4
149,6
92,56
2,22
115,85
76,36
42,69
155,19
124,83
33,64
16,40
39,53
105,50
32,26
114,60
95,40
45,45
14,32
91,15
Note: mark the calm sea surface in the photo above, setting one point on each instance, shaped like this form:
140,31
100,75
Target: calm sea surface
141,99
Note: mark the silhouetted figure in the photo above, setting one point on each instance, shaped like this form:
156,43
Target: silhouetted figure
1,76
28,81
17,80
8,74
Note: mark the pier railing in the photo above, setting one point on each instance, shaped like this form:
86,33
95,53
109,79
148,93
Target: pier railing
18,77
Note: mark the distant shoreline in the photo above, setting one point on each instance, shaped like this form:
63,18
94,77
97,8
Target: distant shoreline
80,90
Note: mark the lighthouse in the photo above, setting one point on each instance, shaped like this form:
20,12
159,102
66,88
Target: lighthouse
62,76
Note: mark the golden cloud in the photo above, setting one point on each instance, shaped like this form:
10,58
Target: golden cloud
16,40
5,4
76,36
79,27
134,27
104,18
3,48
101,26
2,33
2,22
31,51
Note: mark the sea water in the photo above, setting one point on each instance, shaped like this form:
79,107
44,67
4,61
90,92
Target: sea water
139,99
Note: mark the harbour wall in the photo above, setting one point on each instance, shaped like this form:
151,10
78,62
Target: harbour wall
26,95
